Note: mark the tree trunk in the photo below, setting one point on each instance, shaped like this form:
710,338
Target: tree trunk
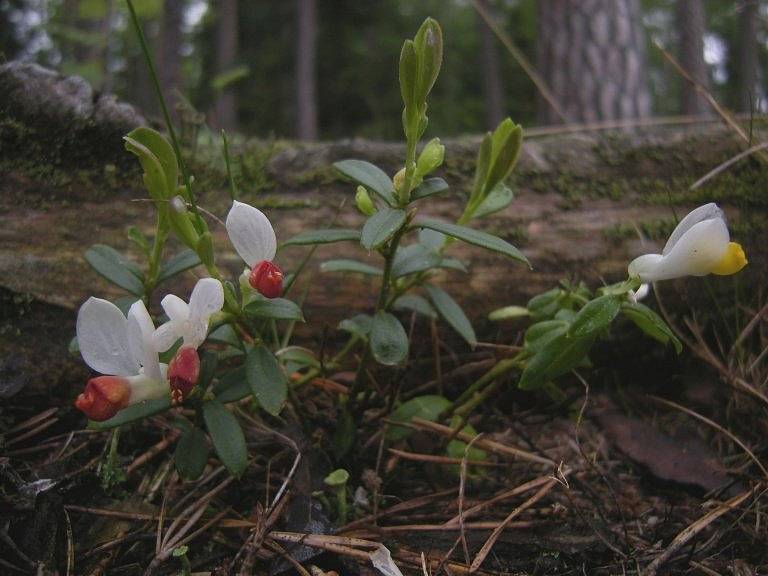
747,53
493,91
224,111
306,98
691,26
169,68
592,56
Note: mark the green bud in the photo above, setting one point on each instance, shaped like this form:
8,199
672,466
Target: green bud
204,249
399,180
182,225
430,158
363,202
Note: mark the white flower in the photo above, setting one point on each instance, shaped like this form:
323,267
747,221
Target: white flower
251,233
114,345
699,245
189,321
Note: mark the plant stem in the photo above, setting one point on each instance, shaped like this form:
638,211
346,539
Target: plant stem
499,369
230,179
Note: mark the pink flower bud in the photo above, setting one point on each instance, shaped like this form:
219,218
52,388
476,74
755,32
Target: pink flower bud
183,372
103,397
267,278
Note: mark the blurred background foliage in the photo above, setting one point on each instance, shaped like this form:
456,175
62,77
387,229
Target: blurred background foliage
240,62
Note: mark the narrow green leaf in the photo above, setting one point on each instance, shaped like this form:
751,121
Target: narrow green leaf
425,407
323,237
452,313
594,316
389,342
266,379
557,357
507,141
542,333
227,437
414,258
408,71
275,308
115,268
651,323
414,303
191,453
475,237
381,227
345,265
452,264
370,176
429,187
498,199
545,305
508,312
132,413
182,261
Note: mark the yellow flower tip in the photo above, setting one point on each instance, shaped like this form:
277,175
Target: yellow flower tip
732,261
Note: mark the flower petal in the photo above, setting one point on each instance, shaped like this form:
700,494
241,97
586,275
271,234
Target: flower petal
697,251
145,388
141,333
175,308
251,233
707,212
166,336
207,298
102,336
645,267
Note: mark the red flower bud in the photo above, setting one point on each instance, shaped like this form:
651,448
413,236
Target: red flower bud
103,397
183,372
267,278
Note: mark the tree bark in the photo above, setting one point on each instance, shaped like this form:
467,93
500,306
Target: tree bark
747,53
169,68
691,25
493,91
224,111
592,56
306,97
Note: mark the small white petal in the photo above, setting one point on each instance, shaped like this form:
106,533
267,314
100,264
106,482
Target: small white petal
697,251
175,308
166,335
251,233
141,332
207,298
145,388
102,336
645,267
707,212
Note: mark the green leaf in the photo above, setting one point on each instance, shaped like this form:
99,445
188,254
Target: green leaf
452,264
389,342
226,335
345,265
275,308
431,239
429,187
457,448
452,313
115,268
134,412
227,437
498,199
297,355
370,176
408,72
414,258
381,227
594,316
209,361
425,407
475,237
557,357
323,237
545,305
507,140
344,435
428,44
540,334
508,312
266,379
651,323
233,386
359,325
182,261
162,150
415,303
191,453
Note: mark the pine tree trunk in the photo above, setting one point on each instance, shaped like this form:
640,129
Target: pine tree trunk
169,61
224,111
691,25
306,99
747,54
493,91
592,56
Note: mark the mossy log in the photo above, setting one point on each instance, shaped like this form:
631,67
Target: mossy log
585,205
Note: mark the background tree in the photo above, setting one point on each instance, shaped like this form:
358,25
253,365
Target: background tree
306,39
691,27
493,90
591,54
747,54
223,113
169,57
